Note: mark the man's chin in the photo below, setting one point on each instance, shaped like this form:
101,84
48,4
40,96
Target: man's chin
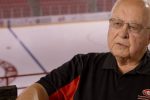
120,54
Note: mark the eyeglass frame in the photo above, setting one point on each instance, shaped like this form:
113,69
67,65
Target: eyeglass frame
129,25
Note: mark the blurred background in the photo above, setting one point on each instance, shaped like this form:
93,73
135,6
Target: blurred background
37,36
43,11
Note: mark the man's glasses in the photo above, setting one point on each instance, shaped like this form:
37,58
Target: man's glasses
132,27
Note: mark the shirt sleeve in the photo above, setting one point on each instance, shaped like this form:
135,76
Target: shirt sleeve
64,78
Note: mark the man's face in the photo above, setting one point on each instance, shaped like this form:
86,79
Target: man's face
126,36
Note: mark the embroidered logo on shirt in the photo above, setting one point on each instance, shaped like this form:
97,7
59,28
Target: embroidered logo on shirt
145,96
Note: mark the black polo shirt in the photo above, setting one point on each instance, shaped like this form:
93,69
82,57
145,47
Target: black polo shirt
95,76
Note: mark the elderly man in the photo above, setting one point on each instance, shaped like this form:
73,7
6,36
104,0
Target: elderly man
121,74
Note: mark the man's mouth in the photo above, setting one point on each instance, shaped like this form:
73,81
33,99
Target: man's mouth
121,44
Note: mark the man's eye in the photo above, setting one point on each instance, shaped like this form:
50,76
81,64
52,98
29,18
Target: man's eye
133,28
117,24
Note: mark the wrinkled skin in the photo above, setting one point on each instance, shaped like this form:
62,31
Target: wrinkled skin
129,48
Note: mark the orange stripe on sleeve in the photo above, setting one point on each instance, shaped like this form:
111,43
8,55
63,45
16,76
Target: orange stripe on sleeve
67,92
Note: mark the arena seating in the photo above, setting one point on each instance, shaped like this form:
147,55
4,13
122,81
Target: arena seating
14,8
56,7
23,8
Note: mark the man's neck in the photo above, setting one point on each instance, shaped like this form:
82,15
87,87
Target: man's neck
125,64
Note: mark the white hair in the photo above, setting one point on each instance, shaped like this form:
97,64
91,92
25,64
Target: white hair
147,5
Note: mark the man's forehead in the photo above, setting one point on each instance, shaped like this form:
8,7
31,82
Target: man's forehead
133,8
136,3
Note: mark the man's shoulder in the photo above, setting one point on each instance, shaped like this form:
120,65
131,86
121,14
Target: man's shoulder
103,54
93,57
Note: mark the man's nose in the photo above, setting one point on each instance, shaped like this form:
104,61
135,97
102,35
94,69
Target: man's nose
124,33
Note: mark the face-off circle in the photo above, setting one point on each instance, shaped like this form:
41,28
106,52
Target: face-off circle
9,73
